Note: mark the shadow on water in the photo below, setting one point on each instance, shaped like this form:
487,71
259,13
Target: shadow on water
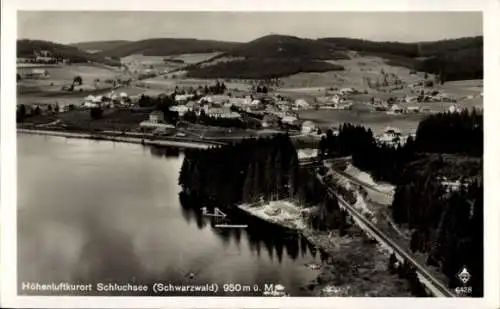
164,152
260,235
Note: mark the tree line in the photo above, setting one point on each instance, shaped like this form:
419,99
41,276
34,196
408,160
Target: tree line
445,219
259,170
448,133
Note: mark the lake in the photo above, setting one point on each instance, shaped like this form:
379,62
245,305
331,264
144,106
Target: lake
94,212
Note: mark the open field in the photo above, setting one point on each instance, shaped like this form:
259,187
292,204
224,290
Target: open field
194,58
60,75
355,69
68,72
377,121
139,63
115,119
170,83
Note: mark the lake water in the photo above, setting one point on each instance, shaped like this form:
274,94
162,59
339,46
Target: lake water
103,212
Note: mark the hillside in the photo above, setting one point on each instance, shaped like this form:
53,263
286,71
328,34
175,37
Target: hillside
454,59
99,45
280,55
281,46
270,57
166,47
28,48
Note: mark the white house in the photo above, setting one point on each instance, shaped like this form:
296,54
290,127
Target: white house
240,101
391,135
155,121
308,127
395,109
336,99
219,99
183,97
181,109
301,103
413,109
38,73
454,109
289,119
217,112
346,91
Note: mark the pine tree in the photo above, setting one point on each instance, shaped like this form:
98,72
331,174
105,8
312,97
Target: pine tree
248,186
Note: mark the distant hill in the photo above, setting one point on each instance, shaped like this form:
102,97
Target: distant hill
454,59
270,56
280,55
166,47
29,48
281,46
99,45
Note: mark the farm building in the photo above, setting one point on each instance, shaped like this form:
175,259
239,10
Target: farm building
155,121
217,112
218,99
38,73
413,109
240,101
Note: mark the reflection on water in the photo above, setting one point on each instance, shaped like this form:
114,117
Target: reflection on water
164,152
97,211
257,233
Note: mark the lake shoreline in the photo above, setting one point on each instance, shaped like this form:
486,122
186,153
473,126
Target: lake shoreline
116,137
332,244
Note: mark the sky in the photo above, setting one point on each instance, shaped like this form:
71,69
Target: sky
82,26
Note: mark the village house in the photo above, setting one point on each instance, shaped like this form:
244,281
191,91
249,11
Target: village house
395,109
91,101
390,136
183,98
301,104
25,59
216,99
345,91
291,120
454,109
217,112
413,109
181,109
37,73
155,121
308,127
240,101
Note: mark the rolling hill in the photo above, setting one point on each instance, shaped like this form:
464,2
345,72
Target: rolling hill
166,47
99,45
270,56
28,48
281,46
453,59
280,55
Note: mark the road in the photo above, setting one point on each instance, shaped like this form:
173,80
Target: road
440,287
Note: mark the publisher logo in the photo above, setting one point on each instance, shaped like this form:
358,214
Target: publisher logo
464,275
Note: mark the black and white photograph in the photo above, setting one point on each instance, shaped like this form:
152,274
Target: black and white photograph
270,154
